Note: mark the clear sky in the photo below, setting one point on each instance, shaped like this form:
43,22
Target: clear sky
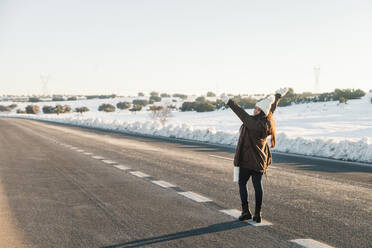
123,47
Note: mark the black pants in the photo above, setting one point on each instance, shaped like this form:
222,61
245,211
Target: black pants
244,175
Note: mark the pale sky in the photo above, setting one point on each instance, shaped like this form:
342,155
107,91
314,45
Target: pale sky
123,47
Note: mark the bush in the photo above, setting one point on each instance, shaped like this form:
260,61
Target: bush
211,94
204,106
348,94
198,106
33,99
13,106
140,102
154,99
182,96
81,110
32,109
154,93
141,94
58,99
48,110
73,98
165,95
106,107
5,108
245,102
123,105
59,109
21,111
200,99
136,108
342,100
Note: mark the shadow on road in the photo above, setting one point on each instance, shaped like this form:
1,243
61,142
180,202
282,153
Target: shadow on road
220,227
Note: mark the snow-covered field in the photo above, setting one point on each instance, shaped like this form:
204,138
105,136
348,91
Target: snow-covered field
332,130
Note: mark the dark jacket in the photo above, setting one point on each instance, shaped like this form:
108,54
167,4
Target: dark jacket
252,150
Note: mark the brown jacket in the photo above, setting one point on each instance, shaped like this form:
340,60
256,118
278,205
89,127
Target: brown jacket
252,150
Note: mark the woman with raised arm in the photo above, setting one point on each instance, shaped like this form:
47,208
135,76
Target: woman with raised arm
253,155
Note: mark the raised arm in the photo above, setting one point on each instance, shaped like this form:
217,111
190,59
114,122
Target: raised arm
275,103
247,119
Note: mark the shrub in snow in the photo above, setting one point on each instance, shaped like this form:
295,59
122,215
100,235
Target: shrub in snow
245,102
204,106
123,105
200,99
13,106
73,98
154,99
342,100
211,94
106,107
187,106
58,99
59,109
33,99
140,102
182,96
154,93
135,108
165,95
141,94
48,110
81,110
21,111
348,94
32,109
5,108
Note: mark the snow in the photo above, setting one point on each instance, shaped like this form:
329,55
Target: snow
327,129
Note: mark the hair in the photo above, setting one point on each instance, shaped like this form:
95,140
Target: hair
272,129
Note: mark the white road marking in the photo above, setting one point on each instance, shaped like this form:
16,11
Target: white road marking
88,153
236,213
109,162
163,184
138,174
121,167
214,156
195,197
98,157
80,150
73,148
310,243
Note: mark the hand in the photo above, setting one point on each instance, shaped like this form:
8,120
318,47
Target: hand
225,98
282,91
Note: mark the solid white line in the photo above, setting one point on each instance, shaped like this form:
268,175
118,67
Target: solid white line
80,150
163,184
310,243
121,167
109,162
215,156
98,157
195,197
236,213
74,148
88,153
138,174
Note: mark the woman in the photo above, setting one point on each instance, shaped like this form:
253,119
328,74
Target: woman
253,154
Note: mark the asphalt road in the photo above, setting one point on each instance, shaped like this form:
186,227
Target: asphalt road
56,192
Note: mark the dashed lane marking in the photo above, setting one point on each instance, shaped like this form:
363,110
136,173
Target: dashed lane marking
80,150
88,153
98,157
122,167
139,174
195,197
163,184
310,243
109,162
236,213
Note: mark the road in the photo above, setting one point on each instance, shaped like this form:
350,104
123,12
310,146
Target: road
65,186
